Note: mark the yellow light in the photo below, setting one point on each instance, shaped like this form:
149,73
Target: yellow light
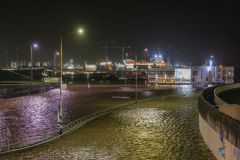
80,31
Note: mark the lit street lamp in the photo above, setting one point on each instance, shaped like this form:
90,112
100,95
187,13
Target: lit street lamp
34,45
59,111
80,31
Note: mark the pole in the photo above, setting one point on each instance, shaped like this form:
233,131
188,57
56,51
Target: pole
122,53
136,86
17,56
59,111
31,66
125,76
106,52
147,75
54,61
6,58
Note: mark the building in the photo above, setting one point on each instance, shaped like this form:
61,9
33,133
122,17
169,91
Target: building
160,72
203,75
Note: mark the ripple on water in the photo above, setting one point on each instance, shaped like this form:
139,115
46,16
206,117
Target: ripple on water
165,129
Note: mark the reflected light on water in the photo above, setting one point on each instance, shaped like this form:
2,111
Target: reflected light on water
147,93
185,90
158,129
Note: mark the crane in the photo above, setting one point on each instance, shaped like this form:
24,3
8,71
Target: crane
121,47
106,46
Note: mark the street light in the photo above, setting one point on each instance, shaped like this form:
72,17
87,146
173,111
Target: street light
34,45
80,31
59,111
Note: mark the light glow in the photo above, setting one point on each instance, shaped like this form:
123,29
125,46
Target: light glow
210,62
35,45
80,31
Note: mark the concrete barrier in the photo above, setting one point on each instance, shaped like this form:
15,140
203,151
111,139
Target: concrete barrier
219,131
232,110
220,89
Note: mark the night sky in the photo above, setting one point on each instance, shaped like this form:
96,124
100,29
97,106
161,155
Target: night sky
185,31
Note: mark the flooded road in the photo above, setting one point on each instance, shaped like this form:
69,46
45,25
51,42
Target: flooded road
164,128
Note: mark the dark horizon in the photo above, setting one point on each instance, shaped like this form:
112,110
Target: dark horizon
186,31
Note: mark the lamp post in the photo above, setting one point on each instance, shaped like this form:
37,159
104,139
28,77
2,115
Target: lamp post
136,85
17,56
34,45
59,111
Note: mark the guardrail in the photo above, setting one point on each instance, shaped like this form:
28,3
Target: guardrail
49,138
218,121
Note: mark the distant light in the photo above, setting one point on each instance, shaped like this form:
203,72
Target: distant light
210,62
70,67
160,56
146,50
208,68
80,31
155,56
35,45
57,53
212,56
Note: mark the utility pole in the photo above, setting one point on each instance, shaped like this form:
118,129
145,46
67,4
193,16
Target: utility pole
31,66
59,111
122,53
6,52
125,77
17,56
136,85
106,52
120,47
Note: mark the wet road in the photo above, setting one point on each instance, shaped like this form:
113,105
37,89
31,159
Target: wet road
165,128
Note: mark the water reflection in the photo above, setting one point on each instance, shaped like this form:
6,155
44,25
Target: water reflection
160,129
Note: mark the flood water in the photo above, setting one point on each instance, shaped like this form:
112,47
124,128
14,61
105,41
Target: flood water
165,128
